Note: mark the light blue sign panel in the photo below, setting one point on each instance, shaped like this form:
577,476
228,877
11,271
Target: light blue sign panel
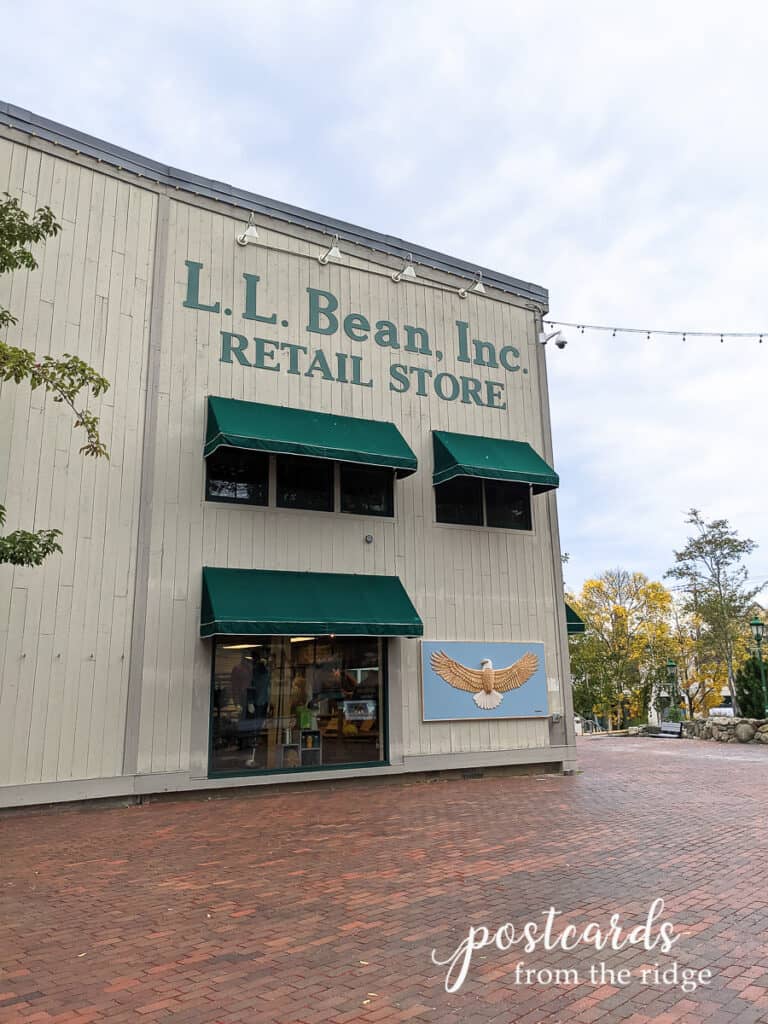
456,685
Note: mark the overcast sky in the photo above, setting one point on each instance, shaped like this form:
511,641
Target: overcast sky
616,154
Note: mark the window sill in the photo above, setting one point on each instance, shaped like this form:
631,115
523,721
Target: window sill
344,516
508,530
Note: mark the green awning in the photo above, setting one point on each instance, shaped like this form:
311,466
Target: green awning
273,428
258,602
490,458
574,621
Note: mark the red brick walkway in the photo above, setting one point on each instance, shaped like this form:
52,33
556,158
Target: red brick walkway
324,905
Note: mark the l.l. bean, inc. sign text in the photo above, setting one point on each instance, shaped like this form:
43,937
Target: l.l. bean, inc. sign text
324,317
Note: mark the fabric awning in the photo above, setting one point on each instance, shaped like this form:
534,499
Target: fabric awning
257,602
491,458
574,621
233,423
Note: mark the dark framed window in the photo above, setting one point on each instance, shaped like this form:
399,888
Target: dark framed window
367,490
242,477
460,501
469,501
237,475
282,703
507,505
304,483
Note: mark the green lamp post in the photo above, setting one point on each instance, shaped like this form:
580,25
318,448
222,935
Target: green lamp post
758,631
674,696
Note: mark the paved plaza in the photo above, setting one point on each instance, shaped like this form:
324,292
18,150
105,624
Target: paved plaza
324,904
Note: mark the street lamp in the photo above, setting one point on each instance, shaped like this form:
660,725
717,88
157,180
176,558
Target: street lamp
672,680
758,630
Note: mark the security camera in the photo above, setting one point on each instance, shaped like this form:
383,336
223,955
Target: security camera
555,336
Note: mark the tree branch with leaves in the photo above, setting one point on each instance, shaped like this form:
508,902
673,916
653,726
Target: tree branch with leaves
65,378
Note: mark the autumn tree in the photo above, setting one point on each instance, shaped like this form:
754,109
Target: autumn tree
623,654
701,675
713,579
64,378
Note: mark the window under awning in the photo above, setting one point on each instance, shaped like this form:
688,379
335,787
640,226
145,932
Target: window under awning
490,458
574,621
259,602
255,426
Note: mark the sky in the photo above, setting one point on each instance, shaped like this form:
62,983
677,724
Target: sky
615,154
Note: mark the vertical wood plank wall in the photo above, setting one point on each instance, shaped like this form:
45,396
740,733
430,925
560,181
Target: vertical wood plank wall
65,628
470,584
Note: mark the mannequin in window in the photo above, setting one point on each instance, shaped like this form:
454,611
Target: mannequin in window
240,680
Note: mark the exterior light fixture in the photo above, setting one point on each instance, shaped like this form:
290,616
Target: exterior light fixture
407,270
333,252
758,632
477,287
250,236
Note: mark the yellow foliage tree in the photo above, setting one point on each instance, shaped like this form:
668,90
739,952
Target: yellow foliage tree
624,652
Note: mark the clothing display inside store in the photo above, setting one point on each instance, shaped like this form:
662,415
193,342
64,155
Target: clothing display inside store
292,703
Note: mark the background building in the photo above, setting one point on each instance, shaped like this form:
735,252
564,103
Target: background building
317,459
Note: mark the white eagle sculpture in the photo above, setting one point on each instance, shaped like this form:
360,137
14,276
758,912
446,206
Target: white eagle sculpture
487,684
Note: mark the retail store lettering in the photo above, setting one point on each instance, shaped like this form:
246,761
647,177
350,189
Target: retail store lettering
325,318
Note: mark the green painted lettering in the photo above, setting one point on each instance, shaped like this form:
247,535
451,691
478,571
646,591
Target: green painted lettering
320,363
503,359
470,391
293,356
251,280
322,304
356,327
229,348
493,393
421,378
485,353
263,356
341,368
463,356
411,334
451,393
386,334
192,300
357,366
399,375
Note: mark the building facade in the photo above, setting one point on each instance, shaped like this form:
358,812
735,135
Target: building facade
325,543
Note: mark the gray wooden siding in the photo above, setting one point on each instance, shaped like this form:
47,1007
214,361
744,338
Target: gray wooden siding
65,627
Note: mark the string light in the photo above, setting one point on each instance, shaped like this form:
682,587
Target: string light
722,335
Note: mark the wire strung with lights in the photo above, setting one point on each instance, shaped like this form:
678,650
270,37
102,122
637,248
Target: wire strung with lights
650,332
551,330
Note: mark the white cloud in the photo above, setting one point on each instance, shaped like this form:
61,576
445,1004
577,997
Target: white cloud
613,153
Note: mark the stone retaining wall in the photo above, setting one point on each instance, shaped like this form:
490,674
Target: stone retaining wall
728,730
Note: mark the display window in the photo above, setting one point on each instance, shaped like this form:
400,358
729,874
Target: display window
242,478
238,476
469,501
296,703
367,491
304,483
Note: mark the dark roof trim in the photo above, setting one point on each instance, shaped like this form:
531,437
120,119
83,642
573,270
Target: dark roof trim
124,159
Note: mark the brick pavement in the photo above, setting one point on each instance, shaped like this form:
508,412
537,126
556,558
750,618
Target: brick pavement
323,905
